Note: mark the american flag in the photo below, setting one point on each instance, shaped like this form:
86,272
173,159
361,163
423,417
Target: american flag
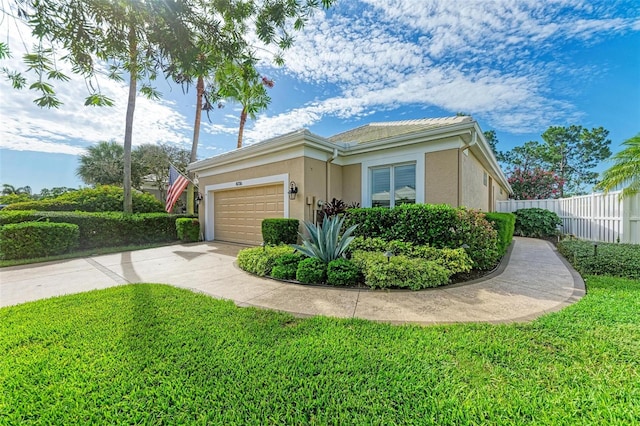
177,184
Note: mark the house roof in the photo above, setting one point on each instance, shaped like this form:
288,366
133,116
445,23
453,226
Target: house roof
377,131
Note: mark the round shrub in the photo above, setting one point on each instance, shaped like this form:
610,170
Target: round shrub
286,266
343,272
311,271
280,231
260,260
536,223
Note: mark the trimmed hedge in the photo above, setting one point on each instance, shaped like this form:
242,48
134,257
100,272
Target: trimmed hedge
454,260
399,271
100,199
343,272
440,226
504,224
286,266
311,271
260,260
37,239
618,260
108,229
280,231
188,229
536,223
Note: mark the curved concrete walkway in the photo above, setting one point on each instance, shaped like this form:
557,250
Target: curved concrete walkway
532,281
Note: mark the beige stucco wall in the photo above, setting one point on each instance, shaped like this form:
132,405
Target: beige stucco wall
475,194
441,180
351,184
314,186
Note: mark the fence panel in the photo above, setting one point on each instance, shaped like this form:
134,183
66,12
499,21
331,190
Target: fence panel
597,217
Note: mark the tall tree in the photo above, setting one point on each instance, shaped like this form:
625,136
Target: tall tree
133,36
102,164
625,171
572,153
241,82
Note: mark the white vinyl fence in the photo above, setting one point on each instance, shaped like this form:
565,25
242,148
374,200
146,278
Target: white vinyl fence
596,217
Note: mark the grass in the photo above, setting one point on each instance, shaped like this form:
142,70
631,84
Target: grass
83,253
154,354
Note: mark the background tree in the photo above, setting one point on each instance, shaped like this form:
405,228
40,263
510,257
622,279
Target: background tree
626,169
54,192
154,161
243,84
533,184
102,164
572,153
492,139
8,189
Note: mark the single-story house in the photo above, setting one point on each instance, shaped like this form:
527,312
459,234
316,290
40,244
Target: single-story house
438,160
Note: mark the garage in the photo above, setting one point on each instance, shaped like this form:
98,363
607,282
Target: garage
238,213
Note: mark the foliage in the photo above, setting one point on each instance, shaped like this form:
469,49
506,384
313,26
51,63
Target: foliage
103,164
399,271
343,272
12,190
15,198
286,266
504,224
106,229
37,239
152,162
101,199
617,260
311,270
626,170
155,344
280,231
188,229
54,192
536,223
534,184
440,226
570,153
260,260
454,260
325,241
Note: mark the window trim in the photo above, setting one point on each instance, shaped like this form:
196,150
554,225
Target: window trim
392,177
380,160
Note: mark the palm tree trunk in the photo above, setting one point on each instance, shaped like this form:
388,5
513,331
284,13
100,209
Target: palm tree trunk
128,129
196,137
243,120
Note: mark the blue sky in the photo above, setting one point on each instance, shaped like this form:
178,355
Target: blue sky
517,67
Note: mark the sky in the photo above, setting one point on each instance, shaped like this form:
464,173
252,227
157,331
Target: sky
516,66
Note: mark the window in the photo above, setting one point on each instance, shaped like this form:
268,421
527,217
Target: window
393,185
484,178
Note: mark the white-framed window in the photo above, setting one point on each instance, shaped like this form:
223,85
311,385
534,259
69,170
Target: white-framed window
484,178
393,185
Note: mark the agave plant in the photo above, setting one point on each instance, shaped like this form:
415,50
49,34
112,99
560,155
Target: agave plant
325,241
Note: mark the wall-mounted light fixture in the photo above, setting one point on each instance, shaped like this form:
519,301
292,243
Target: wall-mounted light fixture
199,197
293,190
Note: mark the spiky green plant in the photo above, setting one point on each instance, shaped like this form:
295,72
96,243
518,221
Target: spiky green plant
324,241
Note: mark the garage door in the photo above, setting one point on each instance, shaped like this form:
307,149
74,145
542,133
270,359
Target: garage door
238,213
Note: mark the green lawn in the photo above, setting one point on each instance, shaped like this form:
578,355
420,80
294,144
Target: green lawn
153,354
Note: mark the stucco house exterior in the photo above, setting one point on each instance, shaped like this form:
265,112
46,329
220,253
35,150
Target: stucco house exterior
439,160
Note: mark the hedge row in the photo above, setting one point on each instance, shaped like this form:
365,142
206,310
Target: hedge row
440,226
37,239
618,260
280,231
106,229
101,199
504,224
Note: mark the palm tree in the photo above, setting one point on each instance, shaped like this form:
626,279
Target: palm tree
625,171
102,164
242,83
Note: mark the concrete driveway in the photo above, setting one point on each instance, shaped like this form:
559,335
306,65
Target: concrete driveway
534,280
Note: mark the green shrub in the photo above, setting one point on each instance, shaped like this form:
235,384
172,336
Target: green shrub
536,223
311,271
368,244
439,226
109,229
618,260
280,231
504,224
16,216
188,229
260,260
100,199
343,272
399,271
286,266
37,239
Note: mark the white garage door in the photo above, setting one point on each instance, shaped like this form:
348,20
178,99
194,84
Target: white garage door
238,213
